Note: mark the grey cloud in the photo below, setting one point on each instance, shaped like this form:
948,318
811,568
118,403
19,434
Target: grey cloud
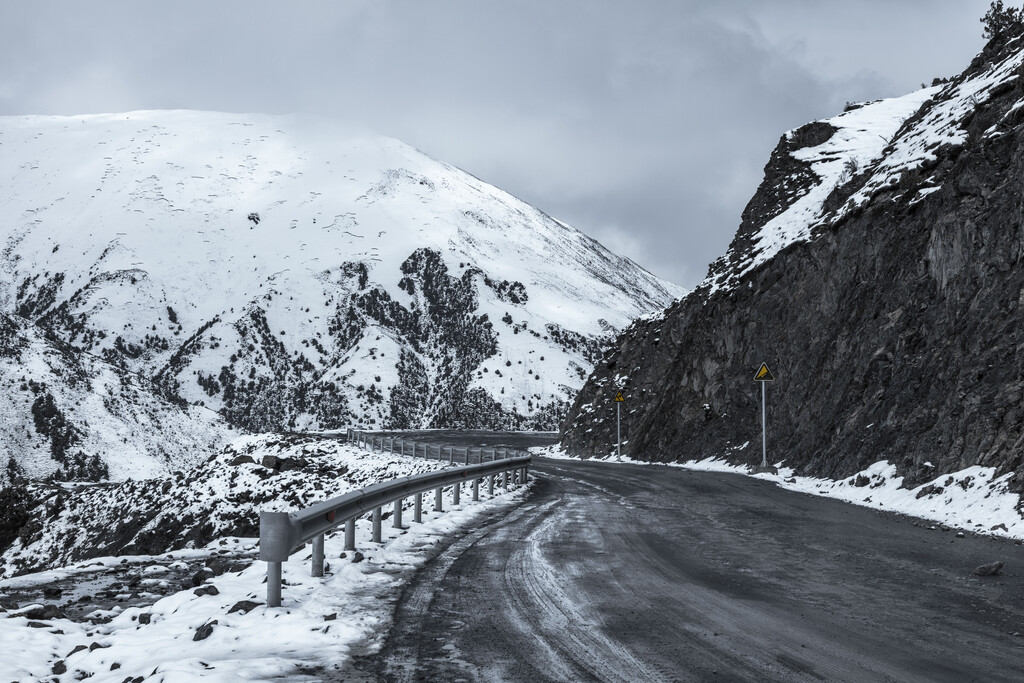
645,124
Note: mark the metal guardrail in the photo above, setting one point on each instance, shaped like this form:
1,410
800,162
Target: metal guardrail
393,444
282,533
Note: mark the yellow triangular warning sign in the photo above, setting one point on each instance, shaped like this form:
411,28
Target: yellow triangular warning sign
764,374
619,398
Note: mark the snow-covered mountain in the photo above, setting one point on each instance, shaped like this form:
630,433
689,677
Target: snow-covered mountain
292,273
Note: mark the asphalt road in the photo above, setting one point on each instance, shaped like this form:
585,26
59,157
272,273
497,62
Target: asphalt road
616,572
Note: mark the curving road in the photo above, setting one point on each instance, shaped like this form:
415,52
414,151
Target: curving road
614,572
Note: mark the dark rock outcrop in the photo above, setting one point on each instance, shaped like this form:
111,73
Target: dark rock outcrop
894,331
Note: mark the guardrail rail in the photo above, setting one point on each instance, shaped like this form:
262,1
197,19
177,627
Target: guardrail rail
394,444
282,533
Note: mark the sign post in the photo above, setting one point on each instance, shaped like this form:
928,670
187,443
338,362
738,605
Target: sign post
619,400
764,375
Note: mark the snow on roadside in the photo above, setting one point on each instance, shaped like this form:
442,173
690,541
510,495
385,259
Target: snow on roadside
310,635
973,499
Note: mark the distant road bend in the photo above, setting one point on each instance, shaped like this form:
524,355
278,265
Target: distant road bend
613,572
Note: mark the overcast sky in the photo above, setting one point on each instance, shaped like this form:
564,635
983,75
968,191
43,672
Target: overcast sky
646,124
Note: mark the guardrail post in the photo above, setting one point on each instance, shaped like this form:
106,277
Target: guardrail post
417,510
350,534
451,454
318,556
456,493
467,455
273,584
437,499
398,514
490,485
376,525
476,489
505,477
526,475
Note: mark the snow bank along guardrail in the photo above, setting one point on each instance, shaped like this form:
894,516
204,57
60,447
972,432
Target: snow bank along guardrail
282,533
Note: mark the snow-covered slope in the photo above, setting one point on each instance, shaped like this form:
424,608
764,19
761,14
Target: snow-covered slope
822,157
822,172
295,273
70,415
220,496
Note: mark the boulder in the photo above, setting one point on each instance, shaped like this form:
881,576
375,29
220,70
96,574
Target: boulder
243,606
204,631
991,569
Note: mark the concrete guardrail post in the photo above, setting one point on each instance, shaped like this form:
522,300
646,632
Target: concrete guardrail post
456,493
451,454
275,546
273,584
417,510
398,514
438,507
350,534
490,485
318,556
376,525
476,489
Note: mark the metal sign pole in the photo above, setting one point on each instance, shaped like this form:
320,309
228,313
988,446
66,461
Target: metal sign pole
618,430
764,375
764,429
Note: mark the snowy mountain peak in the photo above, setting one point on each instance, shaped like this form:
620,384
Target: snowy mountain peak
293,273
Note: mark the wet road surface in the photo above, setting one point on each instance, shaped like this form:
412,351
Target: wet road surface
621,572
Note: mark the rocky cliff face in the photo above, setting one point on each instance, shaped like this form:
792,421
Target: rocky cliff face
878,271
